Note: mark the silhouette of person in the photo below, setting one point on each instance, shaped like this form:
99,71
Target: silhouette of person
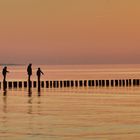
29,71
39,73
4,73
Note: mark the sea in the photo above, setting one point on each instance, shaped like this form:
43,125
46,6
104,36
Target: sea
71,113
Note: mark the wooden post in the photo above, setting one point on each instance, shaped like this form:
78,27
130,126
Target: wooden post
89,83
80,83
57,84
130,82
72,83
120,83
65,83
92,83
47,84
127,82
68,83
42,84
97,84
15,84
107,83
134,82
10,84
61,84
112,83
116,83
100,83
76,83
51,84
20,84
85,83
103,83
25,84
54,84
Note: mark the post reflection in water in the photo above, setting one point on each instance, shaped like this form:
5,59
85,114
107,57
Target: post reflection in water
4,116
4,88
33,111
30,105
4,104
39,101
5,92
29,111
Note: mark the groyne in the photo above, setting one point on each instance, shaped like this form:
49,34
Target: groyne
73,83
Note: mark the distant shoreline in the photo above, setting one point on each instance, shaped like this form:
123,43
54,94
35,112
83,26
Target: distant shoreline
12,64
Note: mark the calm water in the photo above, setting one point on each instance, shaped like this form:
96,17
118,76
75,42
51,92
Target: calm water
76,72
72,113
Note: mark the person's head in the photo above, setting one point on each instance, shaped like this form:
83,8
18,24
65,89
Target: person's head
30,64
38,68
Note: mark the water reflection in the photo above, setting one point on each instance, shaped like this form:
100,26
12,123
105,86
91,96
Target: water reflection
29,112
4,88
39,91
30,100
4,96
29,92
5,102
29,106
5,93
4,109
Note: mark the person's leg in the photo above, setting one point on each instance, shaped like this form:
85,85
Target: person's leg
4,78
29,81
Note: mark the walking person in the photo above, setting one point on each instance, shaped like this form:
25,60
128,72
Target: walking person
39,73
4,73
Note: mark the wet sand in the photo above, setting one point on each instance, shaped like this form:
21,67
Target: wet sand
71,114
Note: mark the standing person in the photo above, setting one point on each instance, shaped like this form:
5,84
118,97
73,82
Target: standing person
29,71
39,73
4,72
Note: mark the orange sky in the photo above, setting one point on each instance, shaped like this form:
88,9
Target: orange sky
70,31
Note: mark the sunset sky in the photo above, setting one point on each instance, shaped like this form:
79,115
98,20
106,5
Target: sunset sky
70,31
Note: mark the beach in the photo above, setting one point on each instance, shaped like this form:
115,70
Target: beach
78,113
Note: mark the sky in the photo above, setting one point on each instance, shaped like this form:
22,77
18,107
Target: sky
70,31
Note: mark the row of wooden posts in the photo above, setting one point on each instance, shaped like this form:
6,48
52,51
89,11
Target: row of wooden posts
73,83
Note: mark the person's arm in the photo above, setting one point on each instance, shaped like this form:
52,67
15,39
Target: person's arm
42,73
